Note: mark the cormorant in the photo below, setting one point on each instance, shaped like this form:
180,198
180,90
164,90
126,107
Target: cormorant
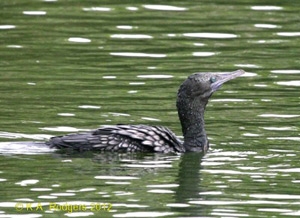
192,98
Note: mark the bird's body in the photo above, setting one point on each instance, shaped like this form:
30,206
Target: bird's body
124,138
192,98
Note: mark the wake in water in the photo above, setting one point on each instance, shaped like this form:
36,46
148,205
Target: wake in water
24,148
35,145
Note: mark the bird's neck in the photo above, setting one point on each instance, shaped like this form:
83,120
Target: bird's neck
191,115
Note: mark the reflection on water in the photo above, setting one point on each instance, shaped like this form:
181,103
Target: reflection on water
131,36
35,13
164,8
3,27
221,182
78,39
135,54
289,83
266,8
72,66
211,35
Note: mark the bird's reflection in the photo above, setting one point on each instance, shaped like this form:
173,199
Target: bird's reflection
189,182
189,177
181,174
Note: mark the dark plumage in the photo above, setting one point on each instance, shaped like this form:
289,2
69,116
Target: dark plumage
192,98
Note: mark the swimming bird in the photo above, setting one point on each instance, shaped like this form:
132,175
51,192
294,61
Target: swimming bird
192,97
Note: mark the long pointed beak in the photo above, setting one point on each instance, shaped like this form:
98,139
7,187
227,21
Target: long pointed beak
222,78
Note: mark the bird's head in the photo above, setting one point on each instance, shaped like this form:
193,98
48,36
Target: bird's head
203,85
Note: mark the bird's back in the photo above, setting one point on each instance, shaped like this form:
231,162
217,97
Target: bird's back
127,138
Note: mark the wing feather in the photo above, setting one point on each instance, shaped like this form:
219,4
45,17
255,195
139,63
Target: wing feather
122,138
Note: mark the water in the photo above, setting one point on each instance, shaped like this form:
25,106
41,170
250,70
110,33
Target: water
70,66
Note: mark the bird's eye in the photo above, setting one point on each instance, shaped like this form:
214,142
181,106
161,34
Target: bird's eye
213,79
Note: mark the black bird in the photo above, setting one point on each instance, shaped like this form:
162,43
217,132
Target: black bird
192,98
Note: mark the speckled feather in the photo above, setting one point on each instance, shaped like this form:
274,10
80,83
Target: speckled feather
127,138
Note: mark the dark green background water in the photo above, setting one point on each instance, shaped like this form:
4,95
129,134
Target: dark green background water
74,65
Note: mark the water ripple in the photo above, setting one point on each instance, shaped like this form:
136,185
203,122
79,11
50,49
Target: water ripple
179,205
148,165
288,34
279,115
285,138
79,39
163,186
5,27
97,9
129,205
137,54
269,26
132,8
275,196
47,197
294,213
109,77
199,44
211,193
266,8
123,193
155,76
125,27
289,83
119,114
285,128
211,35
35,13
62,129
235,172
249,74
63,194
144,214
14,46
231,214
286,71
137,83
12,135
247,65
161,191
273,210
164,8
204,54
27,182
41,189
117,183
270,41
227,202
116,177
89,107
66,114
131,36
150,119
230,100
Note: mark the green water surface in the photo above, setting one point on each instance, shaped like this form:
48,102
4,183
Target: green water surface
70,66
